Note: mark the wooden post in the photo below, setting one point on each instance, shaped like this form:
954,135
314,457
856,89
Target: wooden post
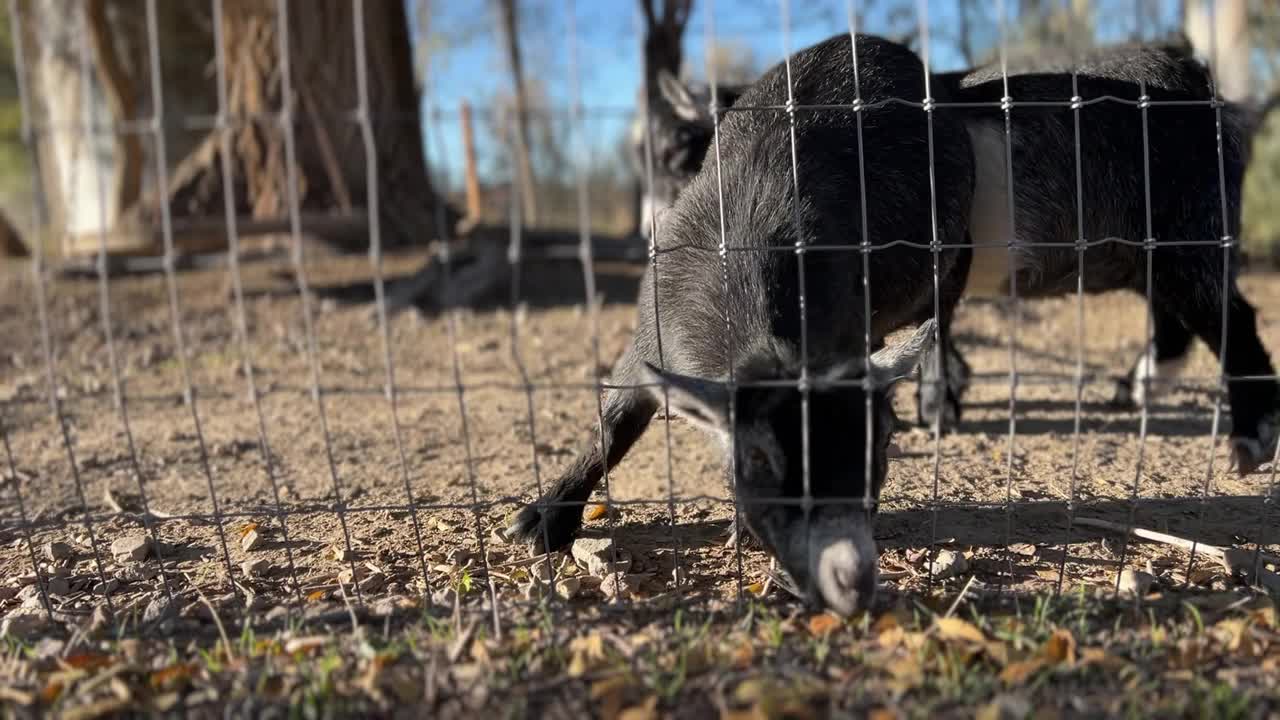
469,154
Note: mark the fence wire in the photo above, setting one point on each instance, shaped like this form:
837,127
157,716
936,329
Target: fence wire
482,501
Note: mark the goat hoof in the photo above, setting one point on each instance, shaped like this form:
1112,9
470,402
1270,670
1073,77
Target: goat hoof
1249,454
1122,397
545,529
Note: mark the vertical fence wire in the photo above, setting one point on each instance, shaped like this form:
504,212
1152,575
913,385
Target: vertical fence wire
285,123
935,248
451,312
43,311
189,394
224,127
372,183
1011,448
1148,359
586,257
104,297
806,500
24,521
868,388
1227,244
654,251
39,217
1078,380
739,527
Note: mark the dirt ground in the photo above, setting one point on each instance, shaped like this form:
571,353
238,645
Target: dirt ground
467,456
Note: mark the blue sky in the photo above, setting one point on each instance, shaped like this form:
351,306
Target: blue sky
466,60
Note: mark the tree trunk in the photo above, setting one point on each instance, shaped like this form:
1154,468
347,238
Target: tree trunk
122,98
330,153
510,26
11,244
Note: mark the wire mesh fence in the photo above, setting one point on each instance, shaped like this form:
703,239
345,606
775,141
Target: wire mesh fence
216,435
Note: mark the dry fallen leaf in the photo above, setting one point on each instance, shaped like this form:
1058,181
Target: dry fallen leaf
586,652
823,624
315,596
50,692
608,693
756,588
950,628
1018,672
644,711
883,713
172,674
743,655
86,661
1059,648
594,512
248,528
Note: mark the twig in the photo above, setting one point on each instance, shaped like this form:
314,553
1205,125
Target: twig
355,622
217,620
960,598
460,645
1210,550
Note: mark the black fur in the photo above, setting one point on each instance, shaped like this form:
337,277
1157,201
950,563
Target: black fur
1189,198
685,295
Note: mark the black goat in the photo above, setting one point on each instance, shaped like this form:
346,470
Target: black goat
783,303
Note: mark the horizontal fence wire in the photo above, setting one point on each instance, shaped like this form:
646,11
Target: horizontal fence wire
324,390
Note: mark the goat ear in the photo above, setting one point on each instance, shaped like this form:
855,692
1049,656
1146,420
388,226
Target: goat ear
678,96
894,362
702,402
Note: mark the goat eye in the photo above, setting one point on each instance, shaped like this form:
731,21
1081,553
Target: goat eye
758,458
683,135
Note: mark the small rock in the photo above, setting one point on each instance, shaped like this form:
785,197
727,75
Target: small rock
1135,582
132,547
458,556
56,551
620,586
597,556
136,573
497,537
949,563
159,609
22,623
542,570
568,587
1026,549
256,567
341,553
251,541
7,593
279,612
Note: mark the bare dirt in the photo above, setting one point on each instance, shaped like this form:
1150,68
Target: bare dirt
491,403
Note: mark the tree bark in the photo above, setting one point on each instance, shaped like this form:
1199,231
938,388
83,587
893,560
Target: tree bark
510,26
11,244
122,98
330,153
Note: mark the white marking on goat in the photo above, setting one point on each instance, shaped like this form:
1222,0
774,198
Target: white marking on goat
989,219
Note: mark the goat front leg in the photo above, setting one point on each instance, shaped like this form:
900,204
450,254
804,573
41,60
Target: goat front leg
551,522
